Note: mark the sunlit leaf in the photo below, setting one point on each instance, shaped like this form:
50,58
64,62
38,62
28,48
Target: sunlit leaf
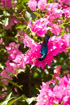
6,100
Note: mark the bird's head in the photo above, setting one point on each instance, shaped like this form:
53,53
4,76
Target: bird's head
47,38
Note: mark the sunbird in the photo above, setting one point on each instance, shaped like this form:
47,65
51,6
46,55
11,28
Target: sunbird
44,48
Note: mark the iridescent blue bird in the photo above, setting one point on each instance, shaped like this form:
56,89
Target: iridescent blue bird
44,48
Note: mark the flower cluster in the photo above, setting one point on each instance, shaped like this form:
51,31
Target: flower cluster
39,27
11,68
53,93
42,25
51,21
57,71
65,1
52,18
37,3
14,62
13,21
7,3
56,45
42,4
67,12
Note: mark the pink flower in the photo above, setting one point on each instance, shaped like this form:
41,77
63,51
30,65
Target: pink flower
42,4
2,96
57,71
51,93
1,41
67,12
66,38
54,9
15,89
39,27
55,29
56,45
28,41
24,38
15,54
51,7
7,3
11,68
65,1
4,75
32,4
13,21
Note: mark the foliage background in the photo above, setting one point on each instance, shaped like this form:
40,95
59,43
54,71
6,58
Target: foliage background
27,82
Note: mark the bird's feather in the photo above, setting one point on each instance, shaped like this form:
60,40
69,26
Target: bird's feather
44,48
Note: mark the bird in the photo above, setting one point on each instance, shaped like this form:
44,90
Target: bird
44,49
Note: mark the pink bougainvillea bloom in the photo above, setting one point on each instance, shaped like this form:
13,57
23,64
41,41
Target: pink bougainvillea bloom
67,12
28,41
51,7
14,52
1,41
13,21
57,71
54,9
4,75
2,96
56,45
39,27
15,2
42,4
7,3
15,89
32,4
67,2
51,93
66,38
24,38
11,68
55,29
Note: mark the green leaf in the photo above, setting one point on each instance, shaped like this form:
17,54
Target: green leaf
36,13
1,66
6,100
35,75
23,1
30,100
21,70
20,26
50,1
15,84
28,15
68,48
12,101
57,81
55,104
